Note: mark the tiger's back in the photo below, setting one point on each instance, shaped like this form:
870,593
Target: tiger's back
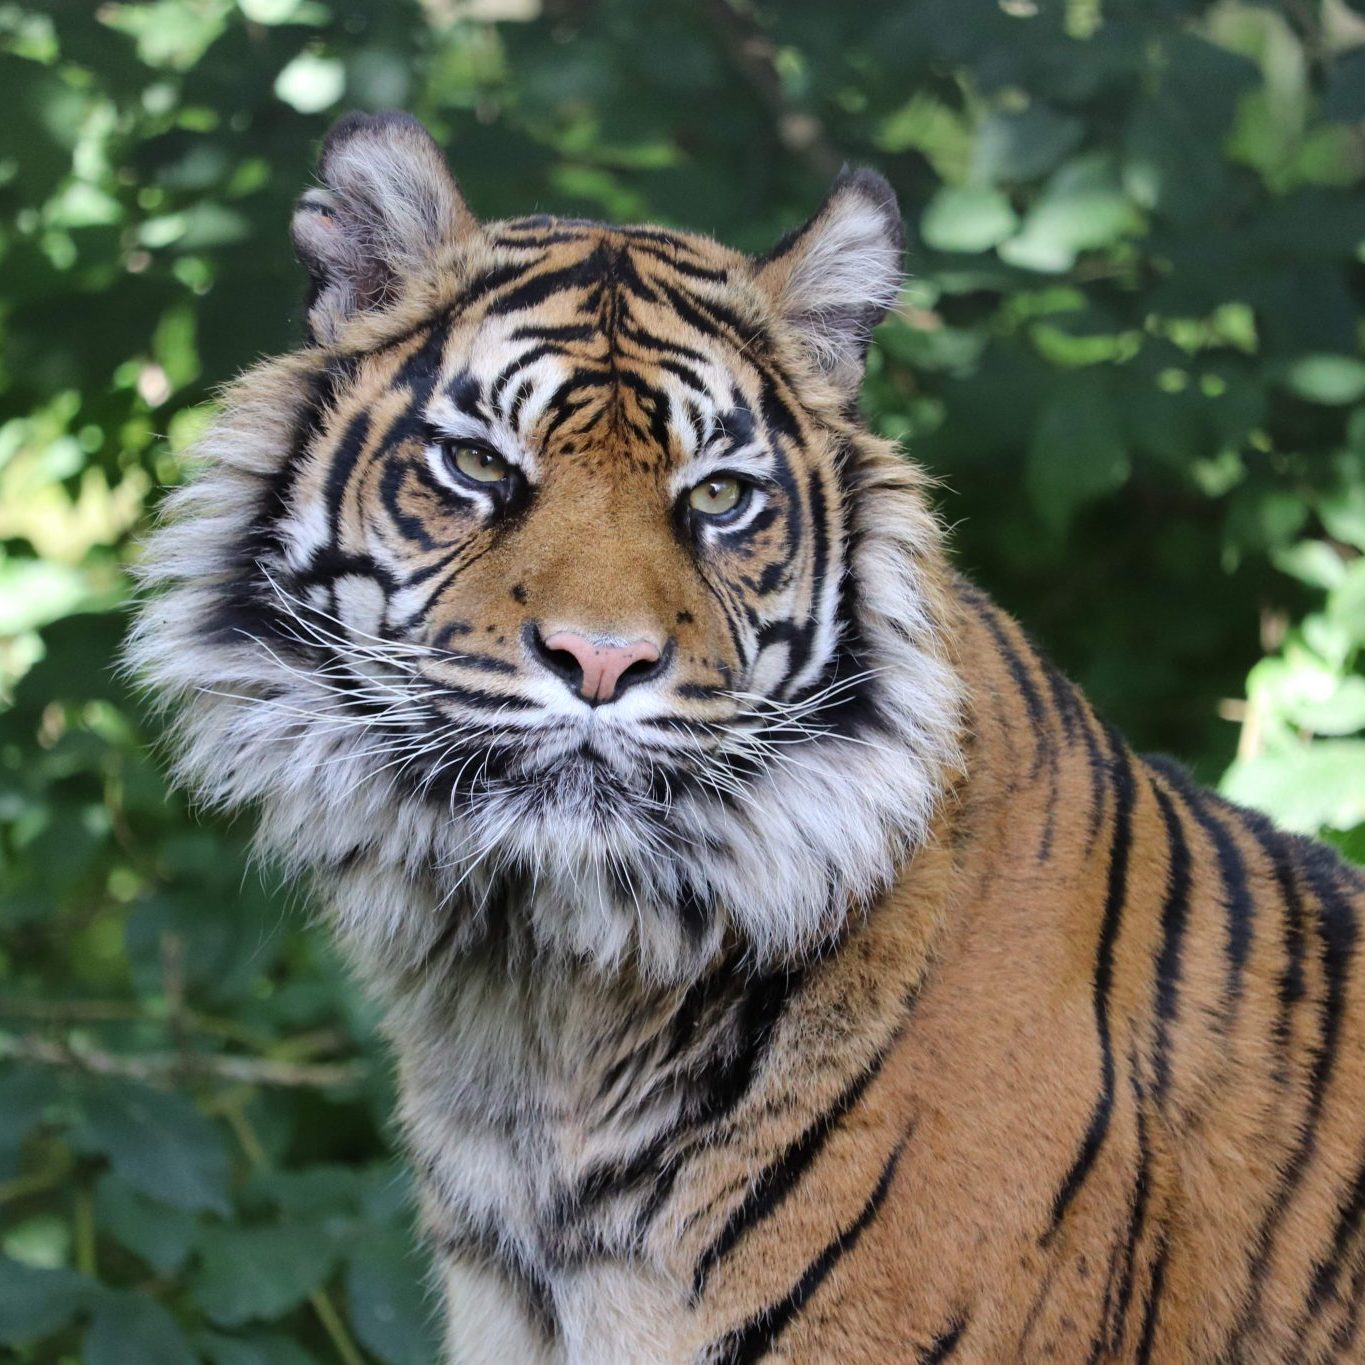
782,960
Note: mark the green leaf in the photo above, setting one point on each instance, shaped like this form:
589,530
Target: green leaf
1346,602
1076,453
159,1143
969,218
1345,96
34,592
390,1307
132,1327
24,1098
248,1274
1343,514
1304,789
257,1348
1023,145
36,1303
1311,561
161,1234
1330,379
1082,208
311,1193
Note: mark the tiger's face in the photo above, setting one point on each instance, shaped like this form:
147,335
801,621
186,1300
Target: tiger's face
609,545
565,601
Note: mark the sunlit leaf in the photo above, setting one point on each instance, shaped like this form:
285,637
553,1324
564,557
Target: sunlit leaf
967,218
311,83
1306,788
1334,379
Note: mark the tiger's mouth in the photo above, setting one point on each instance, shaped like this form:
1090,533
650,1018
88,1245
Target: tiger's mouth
589,760
601,765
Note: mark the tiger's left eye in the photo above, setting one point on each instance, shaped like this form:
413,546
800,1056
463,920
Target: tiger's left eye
477,462
717,496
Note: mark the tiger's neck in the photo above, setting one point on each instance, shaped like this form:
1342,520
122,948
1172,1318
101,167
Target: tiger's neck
565,1125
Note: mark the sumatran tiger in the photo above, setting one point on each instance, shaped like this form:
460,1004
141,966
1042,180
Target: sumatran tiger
782,959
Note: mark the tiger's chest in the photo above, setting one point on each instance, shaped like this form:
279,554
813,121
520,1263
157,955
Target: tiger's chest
540,1130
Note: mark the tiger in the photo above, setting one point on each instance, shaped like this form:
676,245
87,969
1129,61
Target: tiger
782,959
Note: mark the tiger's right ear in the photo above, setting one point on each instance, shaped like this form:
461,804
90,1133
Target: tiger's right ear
386,207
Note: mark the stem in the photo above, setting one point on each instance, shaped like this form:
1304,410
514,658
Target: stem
335,1328
57,1172
323,1307
84,1232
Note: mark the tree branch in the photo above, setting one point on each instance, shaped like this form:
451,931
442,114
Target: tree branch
168,1068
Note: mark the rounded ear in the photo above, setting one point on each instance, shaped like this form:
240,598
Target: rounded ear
835,278
386,207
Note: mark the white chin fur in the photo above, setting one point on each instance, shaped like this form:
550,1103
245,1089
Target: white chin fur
780,866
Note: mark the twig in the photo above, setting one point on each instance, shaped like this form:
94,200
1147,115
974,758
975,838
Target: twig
320,1300
314,1043
752,52
168,1067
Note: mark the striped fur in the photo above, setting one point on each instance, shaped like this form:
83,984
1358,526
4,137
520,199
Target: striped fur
847,989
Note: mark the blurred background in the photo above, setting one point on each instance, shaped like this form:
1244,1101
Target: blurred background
1130,347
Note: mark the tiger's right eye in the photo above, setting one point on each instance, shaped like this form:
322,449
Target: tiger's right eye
475,461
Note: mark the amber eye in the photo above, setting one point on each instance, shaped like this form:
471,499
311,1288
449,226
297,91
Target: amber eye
477,462
716,496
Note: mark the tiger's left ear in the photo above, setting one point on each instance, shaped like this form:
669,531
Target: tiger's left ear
835,278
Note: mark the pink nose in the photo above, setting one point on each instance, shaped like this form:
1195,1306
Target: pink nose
597,667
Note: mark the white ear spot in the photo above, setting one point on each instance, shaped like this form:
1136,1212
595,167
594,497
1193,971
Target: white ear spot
835,278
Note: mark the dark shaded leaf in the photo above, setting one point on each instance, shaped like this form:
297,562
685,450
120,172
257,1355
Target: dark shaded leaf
158,1143
250,1274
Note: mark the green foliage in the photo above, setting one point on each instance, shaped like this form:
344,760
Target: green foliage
1131,347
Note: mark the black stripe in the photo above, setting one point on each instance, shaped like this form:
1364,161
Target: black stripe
1338,930
642,337
241,606
1137,1210
675,262
514,368
1336,925
755,1338
1152,1308
1018,669
1343,1239
589,270
1238,905
760,1008
1175,913
1115,896
777,1180
943,1345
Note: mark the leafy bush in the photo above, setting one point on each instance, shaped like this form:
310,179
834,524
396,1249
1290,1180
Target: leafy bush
1130,346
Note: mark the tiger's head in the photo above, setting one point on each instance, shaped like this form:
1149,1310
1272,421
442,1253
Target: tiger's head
554,589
